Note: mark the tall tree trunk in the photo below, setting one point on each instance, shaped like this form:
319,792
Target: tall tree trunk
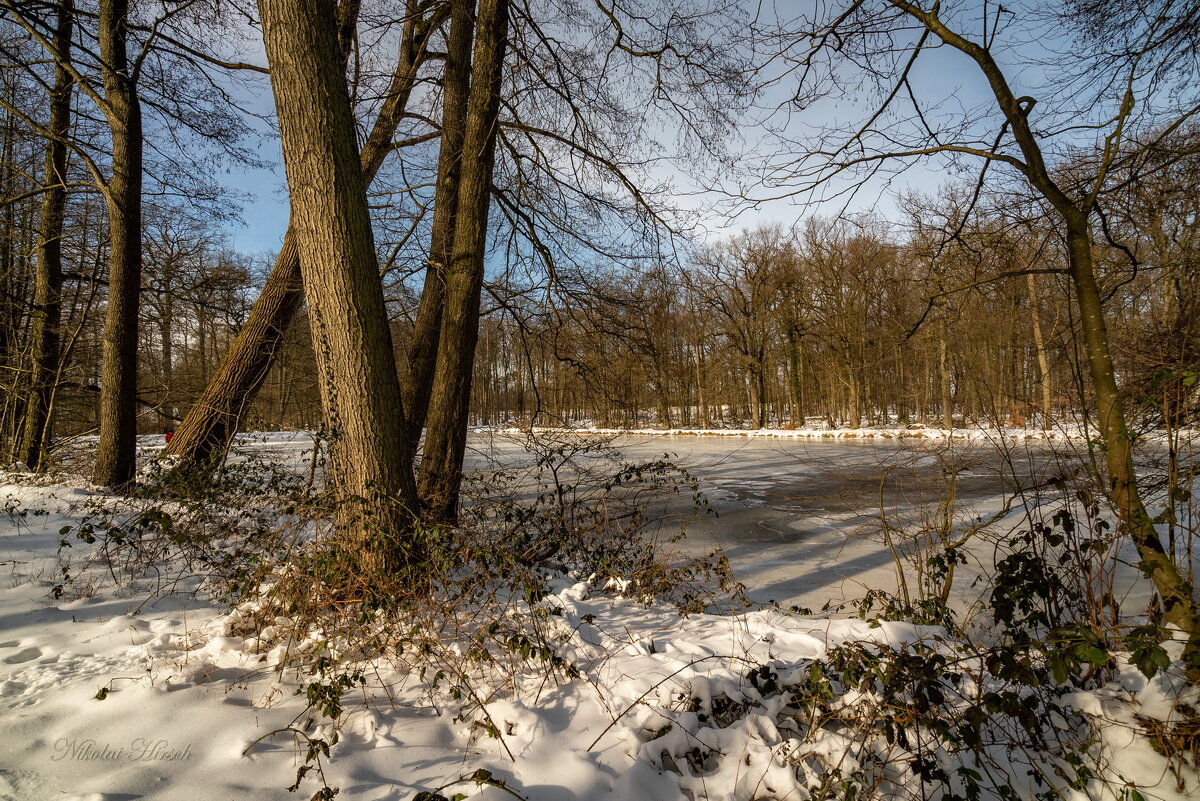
166,336
371,465
9,359
795,357
423,346
854,401
947,397
209,426
760,392
1039,344
47,302
445,441
701,401
116,455
662,401
200,315
1179,605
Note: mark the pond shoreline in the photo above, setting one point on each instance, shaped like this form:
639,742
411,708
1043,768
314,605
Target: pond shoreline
1072,433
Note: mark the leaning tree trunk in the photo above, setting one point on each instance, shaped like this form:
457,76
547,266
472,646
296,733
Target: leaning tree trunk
116,455
371,463
209,426
446,435
1179,605
47,303
423,345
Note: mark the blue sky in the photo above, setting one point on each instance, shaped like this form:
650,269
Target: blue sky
265,215
944,75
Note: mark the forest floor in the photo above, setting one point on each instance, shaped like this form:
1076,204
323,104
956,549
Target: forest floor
119,684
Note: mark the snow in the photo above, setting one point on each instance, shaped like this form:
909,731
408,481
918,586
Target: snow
1058,433
109,692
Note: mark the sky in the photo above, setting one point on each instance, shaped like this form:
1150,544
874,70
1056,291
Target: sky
944,74
265,215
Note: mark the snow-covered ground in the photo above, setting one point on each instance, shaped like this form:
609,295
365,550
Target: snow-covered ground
1061,432
111,692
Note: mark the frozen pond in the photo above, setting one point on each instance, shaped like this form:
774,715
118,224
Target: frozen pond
799,518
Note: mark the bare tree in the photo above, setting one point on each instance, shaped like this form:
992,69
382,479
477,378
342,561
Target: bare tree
564,144
116,454
212,421
446,438
129,61
1105,100
47,310
423,342
741,281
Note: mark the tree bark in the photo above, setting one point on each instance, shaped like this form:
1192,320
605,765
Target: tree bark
1179,605
9,360
795,357
1039,344
371,465
854,401
47,308
947,397
445,439
116,454
662,399
759,391
209,426
166,338
423,346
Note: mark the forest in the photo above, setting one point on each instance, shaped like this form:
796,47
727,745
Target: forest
577,225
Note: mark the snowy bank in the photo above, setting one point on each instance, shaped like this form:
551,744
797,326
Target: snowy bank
108,693
1060,433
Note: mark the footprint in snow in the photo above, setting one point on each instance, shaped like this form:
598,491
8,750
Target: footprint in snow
17,784
24,655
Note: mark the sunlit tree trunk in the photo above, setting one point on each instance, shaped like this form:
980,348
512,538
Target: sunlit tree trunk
446,435
946,394
795,357
1179,606
423,345
371,465
701,400
116,454
47,308
1178,599
1039,344
854,399
209,426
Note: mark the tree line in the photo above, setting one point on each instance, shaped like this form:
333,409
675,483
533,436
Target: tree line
842,323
